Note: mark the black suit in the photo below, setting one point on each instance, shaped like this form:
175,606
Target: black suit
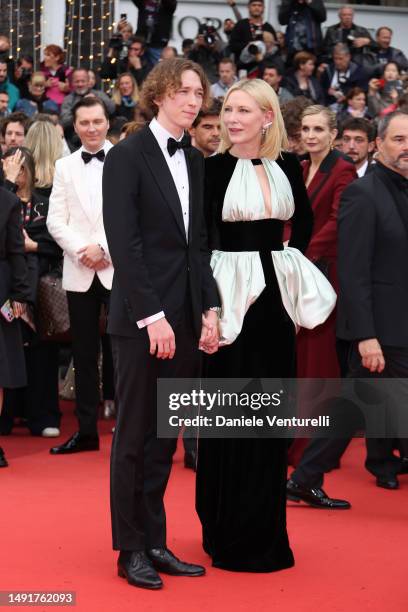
156,269
373,302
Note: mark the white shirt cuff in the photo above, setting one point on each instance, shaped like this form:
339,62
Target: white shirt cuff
144,322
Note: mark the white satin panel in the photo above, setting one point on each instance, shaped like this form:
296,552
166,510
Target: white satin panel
307,295
244,200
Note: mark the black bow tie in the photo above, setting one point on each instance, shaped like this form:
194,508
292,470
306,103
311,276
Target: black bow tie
173,145
88,156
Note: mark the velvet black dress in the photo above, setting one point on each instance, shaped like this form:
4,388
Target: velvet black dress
14,286
241,483
38,400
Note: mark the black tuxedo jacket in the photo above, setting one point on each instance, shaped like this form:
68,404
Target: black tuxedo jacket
156,267
372,260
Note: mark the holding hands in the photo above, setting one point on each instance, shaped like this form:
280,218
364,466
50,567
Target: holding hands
209,340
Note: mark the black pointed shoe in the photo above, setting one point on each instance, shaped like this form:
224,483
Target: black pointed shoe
138,570
76,444
314,497
404,466
387,482
190,460
3,460
166,562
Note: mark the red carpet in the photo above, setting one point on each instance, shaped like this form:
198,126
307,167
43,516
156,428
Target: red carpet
55,535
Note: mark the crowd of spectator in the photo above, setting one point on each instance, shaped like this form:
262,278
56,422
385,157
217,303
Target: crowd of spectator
346,67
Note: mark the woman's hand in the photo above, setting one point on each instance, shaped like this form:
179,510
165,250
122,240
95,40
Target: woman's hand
63,86
394,95
19,309
29,245
374,85
12,166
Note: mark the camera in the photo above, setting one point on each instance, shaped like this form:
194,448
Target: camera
208,31
251,51
116,42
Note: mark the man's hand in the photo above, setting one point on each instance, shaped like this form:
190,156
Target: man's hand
361,42
135,61
209,339
162,339
91,255
321,68
372,355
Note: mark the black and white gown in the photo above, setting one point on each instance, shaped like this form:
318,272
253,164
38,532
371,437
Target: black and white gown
267,291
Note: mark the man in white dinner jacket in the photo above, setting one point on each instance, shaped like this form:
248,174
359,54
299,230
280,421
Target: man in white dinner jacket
75,221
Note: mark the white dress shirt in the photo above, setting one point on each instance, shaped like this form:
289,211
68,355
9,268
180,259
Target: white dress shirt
178,167
362,170
93,173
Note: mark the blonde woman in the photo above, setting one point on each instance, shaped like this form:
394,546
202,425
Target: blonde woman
36,100
126,96
252,188
46,146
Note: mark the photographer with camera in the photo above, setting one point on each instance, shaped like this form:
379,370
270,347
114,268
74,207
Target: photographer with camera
135,62
206,51
385,92
247,36
154,23
118,46
340,76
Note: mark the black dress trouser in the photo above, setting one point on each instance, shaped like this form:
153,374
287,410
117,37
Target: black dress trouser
140,462
323,454
84,312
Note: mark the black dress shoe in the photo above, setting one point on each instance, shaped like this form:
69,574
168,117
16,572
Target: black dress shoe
138,570
76,444
387,482
190,460
404,466
164,561
314,497
3,460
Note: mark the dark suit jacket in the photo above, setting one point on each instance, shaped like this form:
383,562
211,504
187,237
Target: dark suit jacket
358,78
373,251
155,266
162,29
334,175
334,35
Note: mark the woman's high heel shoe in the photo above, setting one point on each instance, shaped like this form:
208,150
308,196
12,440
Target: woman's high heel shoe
3,460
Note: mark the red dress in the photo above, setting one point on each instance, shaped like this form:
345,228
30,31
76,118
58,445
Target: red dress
316,348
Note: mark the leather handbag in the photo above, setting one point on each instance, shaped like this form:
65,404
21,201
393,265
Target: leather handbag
52,312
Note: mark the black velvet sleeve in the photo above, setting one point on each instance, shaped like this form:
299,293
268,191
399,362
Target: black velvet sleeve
19,290
302,220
